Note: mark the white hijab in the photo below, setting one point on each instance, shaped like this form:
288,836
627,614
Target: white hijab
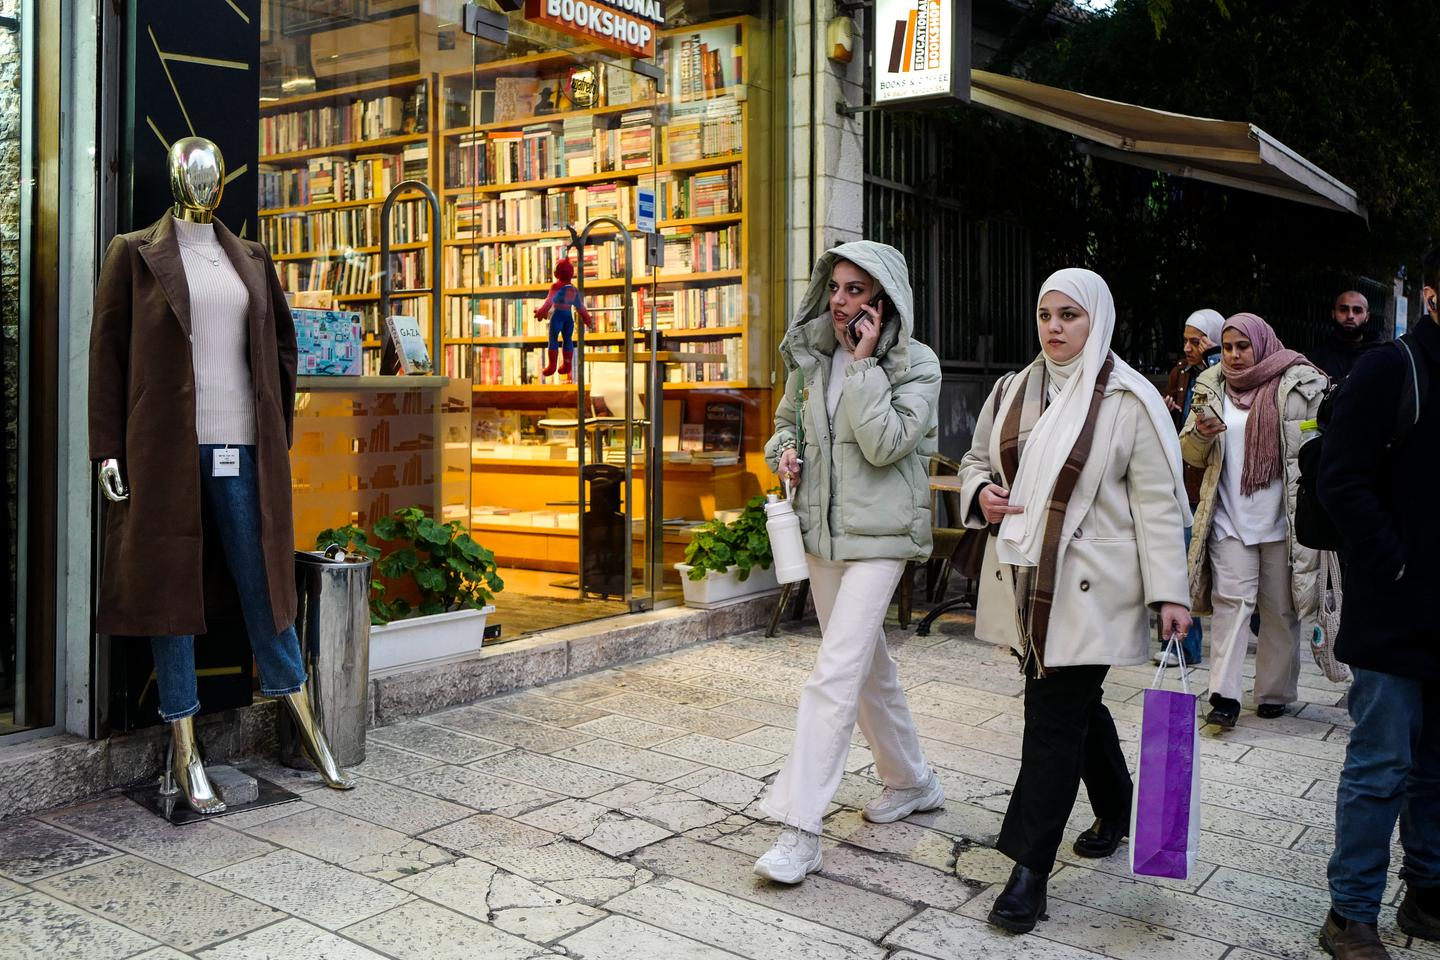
1054,434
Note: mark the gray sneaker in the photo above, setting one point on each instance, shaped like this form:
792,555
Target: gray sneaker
1165,658
895,804
795,855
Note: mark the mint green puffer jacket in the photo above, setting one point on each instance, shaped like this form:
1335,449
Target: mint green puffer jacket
864,491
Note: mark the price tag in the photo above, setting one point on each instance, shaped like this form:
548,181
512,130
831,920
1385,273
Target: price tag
227,462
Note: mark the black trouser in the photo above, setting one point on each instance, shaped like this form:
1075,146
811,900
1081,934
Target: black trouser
1069,736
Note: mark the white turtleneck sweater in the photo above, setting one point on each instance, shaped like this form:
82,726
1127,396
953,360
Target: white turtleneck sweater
220,338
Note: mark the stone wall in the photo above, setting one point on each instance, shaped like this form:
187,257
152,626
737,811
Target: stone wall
10,176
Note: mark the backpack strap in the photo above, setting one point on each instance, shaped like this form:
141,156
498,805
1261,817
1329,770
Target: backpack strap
1412,393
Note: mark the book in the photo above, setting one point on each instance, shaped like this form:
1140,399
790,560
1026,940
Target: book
408,342
723,424
516,97
328,342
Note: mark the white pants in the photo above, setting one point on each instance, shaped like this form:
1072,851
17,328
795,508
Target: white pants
854,678
1247,579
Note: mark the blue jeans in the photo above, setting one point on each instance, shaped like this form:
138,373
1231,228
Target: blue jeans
1190,645
1392,771
233,506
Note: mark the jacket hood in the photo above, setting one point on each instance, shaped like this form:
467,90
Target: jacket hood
811,330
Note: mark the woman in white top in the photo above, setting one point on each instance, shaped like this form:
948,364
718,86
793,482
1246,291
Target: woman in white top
1245,428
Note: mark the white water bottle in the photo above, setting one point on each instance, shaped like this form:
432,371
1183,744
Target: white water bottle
786,545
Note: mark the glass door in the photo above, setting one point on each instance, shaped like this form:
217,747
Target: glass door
544,146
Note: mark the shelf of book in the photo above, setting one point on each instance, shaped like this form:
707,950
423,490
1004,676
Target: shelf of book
338,253
634,173
369,146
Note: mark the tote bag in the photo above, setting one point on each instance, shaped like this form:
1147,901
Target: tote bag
1165,809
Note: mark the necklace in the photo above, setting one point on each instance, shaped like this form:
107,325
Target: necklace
214,261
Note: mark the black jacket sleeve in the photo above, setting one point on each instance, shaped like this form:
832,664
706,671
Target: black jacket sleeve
1355,469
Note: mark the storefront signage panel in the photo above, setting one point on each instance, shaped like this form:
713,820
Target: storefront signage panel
922,50
624,26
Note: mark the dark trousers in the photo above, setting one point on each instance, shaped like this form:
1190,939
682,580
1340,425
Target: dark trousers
1069,737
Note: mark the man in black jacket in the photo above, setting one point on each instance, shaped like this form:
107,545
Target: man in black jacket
1382,503
1351,334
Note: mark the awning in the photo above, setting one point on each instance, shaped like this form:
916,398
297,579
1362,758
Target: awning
1228,152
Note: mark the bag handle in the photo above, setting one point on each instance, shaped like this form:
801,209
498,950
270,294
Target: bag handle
1173,644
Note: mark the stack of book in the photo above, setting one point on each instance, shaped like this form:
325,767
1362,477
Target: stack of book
579,150
706,66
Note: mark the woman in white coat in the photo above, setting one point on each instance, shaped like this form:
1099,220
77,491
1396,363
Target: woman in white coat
1076,468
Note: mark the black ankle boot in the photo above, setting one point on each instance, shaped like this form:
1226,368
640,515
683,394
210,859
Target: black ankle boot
1101,839
1022,903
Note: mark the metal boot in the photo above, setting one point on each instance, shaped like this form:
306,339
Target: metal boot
185,771
313,742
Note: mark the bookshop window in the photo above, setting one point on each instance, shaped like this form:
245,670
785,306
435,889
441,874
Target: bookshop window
521,144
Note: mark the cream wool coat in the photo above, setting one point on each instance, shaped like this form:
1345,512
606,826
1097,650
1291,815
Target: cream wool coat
1300,392
1122,546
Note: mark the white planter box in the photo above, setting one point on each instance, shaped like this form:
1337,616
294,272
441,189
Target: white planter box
719,589
420,641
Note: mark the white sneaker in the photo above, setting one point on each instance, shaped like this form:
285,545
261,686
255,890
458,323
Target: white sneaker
895,804
796,853
1164,658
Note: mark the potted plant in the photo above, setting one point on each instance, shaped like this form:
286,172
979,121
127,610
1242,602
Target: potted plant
725,562
431,593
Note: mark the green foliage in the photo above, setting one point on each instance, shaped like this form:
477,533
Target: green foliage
448,568
742,543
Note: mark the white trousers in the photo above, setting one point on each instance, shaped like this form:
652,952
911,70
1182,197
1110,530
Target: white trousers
854,679
1247,579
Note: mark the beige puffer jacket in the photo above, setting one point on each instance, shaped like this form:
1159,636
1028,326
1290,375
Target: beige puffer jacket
865,486
1301,389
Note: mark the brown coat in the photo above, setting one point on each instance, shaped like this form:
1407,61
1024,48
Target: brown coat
142,412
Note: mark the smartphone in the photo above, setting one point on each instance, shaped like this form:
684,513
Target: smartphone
1207,410
881,305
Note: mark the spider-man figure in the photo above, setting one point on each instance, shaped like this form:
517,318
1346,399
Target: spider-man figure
561,306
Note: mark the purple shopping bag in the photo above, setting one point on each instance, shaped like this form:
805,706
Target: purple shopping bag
1165,811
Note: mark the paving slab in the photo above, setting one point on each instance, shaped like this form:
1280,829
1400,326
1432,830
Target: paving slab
289,938
160,903
39,927
326,895
30,849
422,930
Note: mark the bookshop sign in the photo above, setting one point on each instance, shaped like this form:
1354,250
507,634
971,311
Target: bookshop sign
923,50
625,26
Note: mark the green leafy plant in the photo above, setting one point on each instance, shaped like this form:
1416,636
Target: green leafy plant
742,543
449,570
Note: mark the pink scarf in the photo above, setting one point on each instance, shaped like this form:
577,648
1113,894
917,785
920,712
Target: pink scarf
1257,389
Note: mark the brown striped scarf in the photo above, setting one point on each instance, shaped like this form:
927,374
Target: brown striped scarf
1035,586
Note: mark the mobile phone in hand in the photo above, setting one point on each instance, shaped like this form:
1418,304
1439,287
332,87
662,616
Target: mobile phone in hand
880,305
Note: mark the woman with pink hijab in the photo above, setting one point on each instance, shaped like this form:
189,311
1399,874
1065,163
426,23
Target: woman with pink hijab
1248,417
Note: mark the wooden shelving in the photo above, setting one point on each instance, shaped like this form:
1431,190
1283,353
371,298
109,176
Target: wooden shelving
357,147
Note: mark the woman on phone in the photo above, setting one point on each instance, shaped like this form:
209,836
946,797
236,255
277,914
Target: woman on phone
852,434
1244,430
1075,466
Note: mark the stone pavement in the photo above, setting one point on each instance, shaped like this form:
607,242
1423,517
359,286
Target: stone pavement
612,817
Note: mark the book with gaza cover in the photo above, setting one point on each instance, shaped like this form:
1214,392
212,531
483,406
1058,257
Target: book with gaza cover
408,343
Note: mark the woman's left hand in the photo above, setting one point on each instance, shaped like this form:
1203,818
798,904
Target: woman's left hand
1174,620
869,329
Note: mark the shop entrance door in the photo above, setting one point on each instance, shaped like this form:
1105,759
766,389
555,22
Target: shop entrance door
546,146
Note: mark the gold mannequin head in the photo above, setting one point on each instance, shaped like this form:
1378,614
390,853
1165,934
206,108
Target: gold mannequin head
197,178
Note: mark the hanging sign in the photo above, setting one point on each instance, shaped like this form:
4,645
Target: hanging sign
624,26
922,50
645,209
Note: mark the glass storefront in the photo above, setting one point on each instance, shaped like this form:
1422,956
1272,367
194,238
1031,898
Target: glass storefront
582,473
27,656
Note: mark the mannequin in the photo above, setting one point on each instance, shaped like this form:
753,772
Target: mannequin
220,383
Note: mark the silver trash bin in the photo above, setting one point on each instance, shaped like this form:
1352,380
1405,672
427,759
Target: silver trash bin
333,623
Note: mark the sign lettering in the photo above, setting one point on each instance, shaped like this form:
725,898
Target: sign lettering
922,50
625,26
